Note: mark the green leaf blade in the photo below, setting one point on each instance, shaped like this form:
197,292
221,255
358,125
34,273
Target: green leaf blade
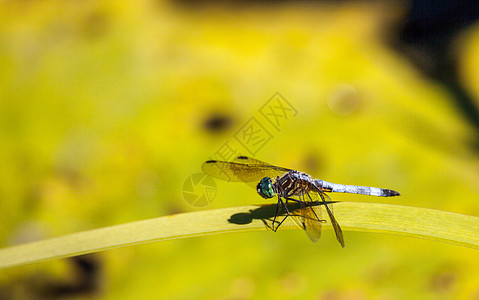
454,228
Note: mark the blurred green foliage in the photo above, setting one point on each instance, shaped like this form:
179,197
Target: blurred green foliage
103,108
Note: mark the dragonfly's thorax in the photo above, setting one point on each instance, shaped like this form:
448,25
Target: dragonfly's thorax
293,183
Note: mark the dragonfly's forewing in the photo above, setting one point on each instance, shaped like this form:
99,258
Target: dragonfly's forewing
250,161
242,169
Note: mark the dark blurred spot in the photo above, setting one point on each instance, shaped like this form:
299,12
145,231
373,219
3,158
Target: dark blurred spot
312,163
431,23
427,35
217,123
94,25
443,281
32,199
70,175
84,279
90,271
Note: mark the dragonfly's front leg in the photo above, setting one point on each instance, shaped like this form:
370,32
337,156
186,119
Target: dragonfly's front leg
280,203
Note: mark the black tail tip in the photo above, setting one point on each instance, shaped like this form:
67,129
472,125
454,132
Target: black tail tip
391,193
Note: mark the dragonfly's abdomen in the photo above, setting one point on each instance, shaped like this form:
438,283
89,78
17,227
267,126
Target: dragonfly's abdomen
354,189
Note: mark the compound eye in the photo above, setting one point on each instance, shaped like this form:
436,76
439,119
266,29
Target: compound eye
265,188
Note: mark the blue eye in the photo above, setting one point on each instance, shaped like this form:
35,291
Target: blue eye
265,188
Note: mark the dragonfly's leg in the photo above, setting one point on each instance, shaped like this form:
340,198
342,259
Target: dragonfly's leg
276,213
277,207
301,204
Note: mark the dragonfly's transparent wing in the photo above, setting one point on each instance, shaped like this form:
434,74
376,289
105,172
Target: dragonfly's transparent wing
311,215
337,230
308,214
249,160
242,169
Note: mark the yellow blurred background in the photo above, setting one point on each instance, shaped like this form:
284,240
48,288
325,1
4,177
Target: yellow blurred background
107,107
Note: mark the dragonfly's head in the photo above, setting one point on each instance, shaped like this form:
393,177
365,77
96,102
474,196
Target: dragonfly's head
265,188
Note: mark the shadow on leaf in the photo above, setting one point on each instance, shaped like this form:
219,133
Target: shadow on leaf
266,213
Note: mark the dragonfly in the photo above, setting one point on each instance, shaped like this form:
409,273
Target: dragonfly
290,185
